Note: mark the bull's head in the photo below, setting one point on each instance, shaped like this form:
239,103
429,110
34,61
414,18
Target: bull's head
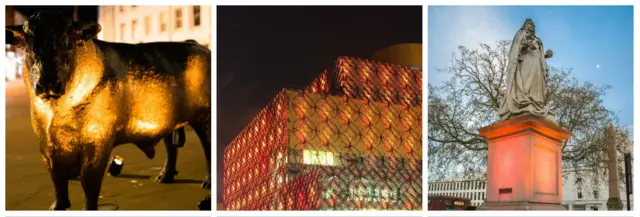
51,41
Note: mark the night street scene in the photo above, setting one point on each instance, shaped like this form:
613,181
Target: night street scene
319,108
81,81
530,108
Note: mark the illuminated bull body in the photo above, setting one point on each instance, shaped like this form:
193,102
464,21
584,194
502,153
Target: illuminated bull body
89,96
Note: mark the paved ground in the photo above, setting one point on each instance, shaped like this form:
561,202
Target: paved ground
29,187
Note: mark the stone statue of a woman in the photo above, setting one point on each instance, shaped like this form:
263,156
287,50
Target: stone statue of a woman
527,75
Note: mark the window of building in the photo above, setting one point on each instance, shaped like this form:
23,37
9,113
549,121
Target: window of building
579,193
133,6
122,28
163,22
318,157
196,15
121,8
178,18
147,25
595,194
134,25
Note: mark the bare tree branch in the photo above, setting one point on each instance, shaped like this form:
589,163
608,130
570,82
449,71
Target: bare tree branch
471,97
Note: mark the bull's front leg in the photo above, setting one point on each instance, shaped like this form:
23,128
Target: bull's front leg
60,177
61,166
95,159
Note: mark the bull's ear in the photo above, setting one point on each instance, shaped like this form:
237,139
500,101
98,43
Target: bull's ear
15,36
88,31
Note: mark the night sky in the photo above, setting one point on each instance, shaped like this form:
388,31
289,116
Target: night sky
261,50
85,13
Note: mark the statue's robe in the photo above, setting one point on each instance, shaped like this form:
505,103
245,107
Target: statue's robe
526,79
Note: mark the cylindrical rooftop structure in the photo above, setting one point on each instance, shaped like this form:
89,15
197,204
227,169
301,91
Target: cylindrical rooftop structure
403,54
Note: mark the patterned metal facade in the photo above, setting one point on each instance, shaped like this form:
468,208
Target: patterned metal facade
351,140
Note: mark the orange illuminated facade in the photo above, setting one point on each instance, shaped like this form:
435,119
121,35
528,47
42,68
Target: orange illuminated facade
351,140
524,164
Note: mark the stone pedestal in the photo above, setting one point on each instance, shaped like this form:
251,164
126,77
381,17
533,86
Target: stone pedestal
525,164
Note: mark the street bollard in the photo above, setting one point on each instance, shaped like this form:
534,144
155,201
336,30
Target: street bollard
115,167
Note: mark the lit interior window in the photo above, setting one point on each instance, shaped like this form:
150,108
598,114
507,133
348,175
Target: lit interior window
318,157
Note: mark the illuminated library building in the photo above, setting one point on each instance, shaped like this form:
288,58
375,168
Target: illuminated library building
351,140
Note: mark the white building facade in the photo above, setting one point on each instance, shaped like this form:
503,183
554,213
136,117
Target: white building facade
141,24
475,190
578,192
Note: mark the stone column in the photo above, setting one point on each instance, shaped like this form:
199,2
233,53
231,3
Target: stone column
614,202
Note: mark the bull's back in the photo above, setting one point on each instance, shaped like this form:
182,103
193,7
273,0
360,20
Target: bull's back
165,86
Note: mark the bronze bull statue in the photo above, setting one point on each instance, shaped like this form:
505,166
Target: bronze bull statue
89,96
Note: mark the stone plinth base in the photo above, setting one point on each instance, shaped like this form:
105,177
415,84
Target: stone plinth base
519,206
524,169
614,204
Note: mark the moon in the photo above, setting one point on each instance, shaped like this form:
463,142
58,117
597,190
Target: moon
597,66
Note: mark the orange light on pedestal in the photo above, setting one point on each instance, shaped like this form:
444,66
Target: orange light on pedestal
524,164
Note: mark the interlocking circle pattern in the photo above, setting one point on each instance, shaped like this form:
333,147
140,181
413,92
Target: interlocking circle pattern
351,140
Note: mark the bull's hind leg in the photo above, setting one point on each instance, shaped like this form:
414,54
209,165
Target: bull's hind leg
169,170
203,129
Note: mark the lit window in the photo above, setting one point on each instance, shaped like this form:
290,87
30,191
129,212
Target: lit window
178,18
196,15
163,22
318,157
147,25
134,24
122,27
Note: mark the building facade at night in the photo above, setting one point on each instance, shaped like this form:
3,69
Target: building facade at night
137,23
351,140
13,55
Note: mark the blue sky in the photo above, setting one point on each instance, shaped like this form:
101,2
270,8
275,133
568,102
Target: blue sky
596,41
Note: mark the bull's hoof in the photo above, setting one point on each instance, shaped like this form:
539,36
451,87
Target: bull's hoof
60,205
166,177
206,184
